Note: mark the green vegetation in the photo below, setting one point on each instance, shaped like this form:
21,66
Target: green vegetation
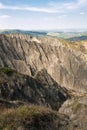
25,32
7,70
30,117
76,45
7,74
71,36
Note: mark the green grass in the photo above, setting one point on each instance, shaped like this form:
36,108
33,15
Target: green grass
7,70
36,117
75,45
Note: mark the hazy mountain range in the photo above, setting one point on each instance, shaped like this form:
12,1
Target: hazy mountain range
69,35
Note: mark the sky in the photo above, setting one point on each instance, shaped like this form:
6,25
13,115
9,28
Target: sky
43,14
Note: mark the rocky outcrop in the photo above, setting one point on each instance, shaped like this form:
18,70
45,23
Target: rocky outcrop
76,109
29,55
40,90
42,71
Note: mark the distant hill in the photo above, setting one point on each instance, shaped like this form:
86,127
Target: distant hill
33,33
77,38
72,36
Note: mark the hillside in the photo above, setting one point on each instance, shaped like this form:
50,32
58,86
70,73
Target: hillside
41,89
27,102
32,33
79,45
71,36
28,55
80,38
48,73
33,118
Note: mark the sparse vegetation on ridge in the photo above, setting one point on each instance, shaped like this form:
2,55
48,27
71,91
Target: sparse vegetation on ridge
31,118
7,70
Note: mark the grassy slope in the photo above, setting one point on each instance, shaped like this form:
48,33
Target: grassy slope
31,118
77,45
69,35
17,115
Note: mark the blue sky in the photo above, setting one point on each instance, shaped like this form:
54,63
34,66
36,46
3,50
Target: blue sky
43,14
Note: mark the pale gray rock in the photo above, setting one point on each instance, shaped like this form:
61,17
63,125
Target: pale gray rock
76,109
29,55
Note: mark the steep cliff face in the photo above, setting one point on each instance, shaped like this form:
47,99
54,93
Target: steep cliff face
29,55
40,90
45,64
76,109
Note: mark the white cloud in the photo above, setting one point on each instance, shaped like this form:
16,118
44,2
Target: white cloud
82,2
68,6
82,13
53,7
29,8
47,10
62,16
4,16
1,6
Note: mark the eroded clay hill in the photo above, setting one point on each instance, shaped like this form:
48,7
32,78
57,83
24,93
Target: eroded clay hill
28,55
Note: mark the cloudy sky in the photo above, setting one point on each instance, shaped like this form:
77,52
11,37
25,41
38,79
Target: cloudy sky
43,14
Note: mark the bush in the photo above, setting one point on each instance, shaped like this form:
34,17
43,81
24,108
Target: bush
30,117
7,70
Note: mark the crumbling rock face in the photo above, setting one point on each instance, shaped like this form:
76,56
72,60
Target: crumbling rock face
76,109
44,63
29,55
40,90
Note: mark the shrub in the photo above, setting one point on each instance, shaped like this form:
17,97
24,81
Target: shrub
7,70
